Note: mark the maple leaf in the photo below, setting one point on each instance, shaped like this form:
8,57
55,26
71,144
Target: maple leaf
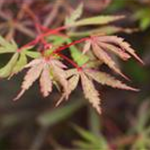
75,15
15,63
18,59
47,70
60,76
122,44
46,82
106,79
87,75
90,92
88,87
7,69
31,76
103,44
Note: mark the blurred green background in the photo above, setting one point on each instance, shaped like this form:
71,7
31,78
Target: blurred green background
35,123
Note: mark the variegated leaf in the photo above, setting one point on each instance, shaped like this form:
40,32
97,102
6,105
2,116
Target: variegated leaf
121,43
90,92
45,82
31,76
102,55
60,76
118,51
106,79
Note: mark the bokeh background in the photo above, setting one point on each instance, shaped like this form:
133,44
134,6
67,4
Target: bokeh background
35,123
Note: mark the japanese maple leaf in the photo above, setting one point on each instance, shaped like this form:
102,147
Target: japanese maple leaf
103,45
48,71
87,76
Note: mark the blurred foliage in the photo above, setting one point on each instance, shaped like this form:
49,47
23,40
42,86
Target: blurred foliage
35,124
143,16
140,10
90,141
140,127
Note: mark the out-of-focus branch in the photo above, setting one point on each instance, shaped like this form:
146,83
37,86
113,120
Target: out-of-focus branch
52,15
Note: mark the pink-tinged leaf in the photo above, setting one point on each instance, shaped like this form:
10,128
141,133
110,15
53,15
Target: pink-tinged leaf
73,82
87,46
34,62
106,79
71,72
74,77
60,76
122,54
102,55
58,63
46,82
90,92
31,76
121,43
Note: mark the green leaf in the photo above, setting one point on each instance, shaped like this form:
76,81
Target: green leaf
108,30
117,5
94,141
145,23
33,54
143,16
4,42
85,145
94,121
57,40
6,70
4,50
20,64
76,14
7,47
98,20
77,55
52,117
86,135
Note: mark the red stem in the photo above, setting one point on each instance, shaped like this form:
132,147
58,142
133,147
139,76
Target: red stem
43,28
69,60
53,31
70,44
36,40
